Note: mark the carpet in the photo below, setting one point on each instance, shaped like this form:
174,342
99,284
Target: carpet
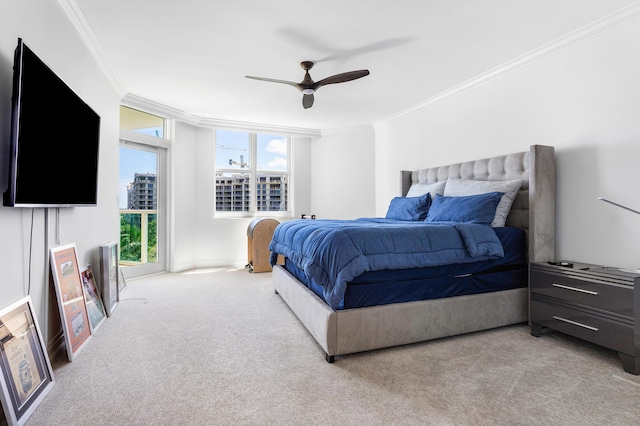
219,347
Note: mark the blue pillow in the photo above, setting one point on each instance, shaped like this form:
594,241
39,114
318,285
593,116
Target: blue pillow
409,208
479,208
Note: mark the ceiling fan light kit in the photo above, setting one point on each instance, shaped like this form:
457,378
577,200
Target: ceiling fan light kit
308,87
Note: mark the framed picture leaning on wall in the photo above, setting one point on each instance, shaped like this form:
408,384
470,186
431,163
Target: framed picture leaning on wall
70,294
95,308
26,376
122,284
109,276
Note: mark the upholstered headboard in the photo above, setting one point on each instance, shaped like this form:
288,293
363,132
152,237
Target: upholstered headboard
534,207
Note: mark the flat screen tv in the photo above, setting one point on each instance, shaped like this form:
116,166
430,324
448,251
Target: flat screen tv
54,139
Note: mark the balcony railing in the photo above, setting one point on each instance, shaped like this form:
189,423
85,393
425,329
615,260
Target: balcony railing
138,237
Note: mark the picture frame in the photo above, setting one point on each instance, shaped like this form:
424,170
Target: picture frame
95,307
26,376
122,284
70,295
109,276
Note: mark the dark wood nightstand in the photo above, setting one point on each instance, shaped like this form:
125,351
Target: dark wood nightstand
595,303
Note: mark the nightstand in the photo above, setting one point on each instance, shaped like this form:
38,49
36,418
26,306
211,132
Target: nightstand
592,302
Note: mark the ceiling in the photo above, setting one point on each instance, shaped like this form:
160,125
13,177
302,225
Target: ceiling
193,55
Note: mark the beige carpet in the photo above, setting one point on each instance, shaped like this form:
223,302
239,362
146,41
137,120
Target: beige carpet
219,347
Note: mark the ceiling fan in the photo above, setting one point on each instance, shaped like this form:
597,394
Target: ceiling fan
308,87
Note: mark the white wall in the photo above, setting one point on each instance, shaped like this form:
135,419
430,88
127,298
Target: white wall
584,100
45,29
185,193
343,174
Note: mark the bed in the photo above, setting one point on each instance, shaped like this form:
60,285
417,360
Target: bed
345,318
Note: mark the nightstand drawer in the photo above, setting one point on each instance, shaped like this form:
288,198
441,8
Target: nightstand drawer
601,330
609,297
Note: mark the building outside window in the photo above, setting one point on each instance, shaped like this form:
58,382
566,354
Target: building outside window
252,172
142,193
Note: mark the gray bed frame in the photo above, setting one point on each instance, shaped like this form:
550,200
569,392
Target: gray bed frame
355,330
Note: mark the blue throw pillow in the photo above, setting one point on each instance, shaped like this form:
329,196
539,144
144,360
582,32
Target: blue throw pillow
479,209
409,208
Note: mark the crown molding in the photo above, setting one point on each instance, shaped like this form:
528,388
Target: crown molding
259,127
71,9
156,108
595,29
159,109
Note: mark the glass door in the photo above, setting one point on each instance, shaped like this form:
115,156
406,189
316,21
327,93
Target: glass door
144,144
142,211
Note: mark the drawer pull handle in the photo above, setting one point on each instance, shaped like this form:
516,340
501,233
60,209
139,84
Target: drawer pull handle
566,287
588,327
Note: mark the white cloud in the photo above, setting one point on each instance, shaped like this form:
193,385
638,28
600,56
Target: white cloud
278,163
277,146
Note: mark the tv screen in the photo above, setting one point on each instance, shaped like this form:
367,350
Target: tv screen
54,139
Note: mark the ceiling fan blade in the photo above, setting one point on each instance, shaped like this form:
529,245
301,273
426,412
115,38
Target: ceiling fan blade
307,101
307,86
273,80
340,78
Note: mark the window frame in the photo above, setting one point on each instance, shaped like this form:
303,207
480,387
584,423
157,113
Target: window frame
253,172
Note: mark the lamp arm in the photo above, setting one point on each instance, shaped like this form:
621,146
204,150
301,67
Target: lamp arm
634,271
619,205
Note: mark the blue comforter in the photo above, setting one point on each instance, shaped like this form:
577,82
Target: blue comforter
333,252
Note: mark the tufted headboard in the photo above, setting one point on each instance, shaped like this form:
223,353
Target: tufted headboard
533,208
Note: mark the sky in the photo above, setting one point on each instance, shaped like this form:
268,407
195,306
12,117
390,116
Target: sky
271,150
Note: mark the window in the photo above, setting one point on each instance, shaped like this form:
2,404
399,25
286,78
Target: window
142,122
252,172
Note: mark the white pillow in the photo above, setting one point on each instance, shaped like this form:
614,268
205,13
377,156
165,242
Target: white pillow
418,189
457,187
